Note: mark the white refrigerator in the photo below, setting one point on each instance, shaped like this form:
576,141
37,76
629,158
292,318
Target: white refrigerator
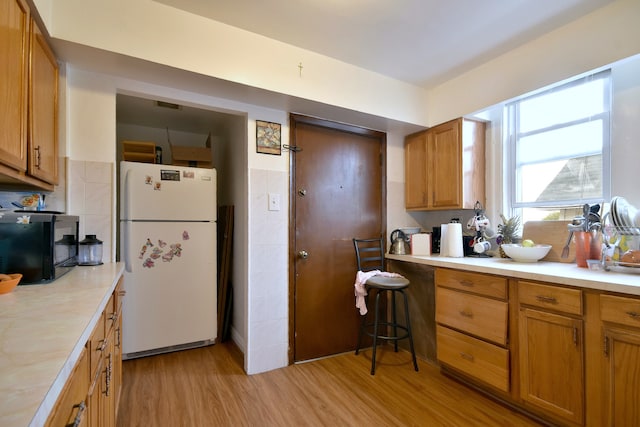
168,245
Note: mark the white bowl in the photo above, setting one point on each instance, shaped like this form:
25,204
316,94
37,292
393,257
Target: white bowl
520,253
410,230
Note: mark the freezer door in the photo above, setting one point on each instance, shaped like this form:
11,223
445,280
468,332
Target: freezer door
163,192
170,280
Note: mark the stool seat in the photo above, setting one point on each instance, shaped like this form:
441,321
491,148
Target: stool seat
370,256
382,282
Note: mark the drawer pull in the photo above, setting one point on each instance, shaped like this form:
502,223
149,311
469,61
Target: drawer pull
546,299
467,356
78,419
466,314
634,315
466,283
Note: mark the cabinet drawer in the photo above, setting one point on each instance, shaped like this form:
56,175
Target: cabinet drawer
71,404
119,294
483,317
622,310
481,360
96,346
481,284
110,314
550,297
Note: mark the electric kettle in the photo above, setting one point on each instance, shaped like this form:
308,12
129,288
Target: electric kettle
399,243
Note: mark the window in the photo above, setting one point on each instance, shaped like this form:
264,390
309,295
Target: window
558,149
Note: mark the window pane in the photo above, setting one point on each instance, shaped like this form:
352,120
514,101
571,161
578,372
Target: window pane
562,106
574,179
572,141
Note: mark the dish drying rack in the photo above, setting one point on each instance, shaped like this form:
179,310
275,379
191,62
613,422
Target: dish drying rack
612,252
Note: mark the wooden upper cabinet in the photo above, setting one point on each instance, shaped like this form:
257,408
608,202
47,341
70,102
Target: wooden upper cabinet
14,43
29,107
444,166
415,160
43,112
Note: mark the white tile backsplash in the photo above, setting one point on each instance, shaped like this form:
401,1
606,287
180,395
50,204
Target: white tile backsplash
91,198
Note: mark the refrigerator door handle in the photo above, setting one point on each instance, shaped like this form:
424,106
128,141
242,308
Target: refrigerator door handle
127,197
125,246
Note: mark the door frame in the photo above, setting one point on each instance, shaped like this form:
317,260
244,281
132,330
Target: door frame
295,119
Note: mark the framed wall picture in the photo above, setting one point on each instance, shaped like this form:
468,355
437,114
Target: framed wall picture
268,137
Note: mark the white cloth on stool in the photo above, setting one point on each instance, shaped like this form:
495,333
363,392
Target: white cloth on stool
361,290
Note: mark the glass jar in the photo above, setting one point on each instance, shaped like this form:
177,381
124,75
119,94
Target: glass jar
90,251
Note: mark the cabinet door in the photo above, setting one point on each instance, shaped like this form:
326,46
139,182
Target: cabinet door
43,96
14,40
445,161
415,155
622,376
551,363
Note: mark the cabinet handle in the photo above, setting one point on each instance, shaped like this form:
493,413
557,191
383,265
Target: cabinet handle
606,346
634,315
546,299
78,419
118,341
107,380
575,336
37,150
466,283
467,356
467,314
122,293
103,345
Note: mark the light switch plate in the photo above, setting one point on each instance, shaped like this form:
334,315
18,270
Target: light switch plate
274,202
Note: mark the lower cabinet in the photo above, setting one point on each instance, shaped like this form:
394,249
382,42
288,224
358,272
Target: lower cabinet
472,326
71,407
620,318
566,355
551,349
97,378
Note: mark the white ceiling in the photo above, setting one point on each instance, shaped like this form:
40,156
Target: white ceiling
423,42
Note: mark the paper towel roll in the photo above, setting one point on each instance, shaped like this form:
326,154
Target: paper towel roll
444,244
454,239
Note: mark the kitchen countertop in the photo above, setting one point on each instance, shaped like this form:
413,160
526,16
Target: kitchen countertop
554,272
43,329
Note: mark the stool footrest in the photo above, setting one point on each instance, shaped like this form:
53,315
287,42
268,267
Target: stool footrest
388,337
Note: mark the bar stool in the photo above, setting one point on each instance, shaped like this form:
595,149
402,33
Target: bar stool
370,257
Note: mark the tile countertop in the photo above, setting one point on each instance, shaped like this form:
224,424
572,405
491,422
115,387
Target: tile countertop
553,272
43,329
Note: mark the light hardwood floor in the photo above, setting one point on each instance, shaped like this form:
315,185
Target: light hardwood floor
208,387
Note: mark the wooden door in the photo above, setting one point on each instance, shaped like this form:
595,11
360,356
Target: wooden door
338,193
551,363
622,376
445,160
14,39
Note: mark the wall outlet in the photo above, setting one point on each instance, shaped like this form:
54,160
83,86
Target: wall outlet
274,202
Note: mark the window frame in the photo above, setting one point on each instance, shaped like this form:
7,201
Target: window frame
512,136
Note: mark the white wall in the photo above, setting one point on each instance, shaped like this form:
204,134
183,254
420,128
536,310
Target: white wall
164,35
597,39
261,238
